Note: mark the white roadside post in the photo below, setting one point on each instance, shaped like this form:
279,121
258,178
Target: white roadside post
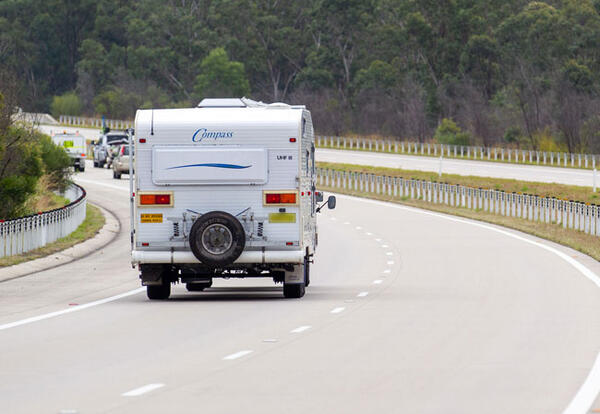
440,169
594,179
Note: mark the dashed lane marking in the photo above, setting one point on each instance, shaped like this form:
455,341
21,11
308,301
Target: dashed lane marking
142,390
237,355
338,310
301,329
362,294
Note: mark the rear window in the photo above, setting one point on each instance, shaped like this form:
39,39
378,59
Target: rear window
126,150
115,138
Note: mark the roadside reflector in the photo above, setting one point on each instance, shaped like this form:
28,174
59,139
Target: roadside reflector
282,217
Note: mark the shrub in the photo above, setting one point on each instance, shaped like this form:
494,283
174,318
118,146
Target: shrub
67,104
449,133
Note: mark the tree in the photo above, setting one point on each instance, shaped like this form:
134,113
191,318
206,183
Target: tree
220,77
66,104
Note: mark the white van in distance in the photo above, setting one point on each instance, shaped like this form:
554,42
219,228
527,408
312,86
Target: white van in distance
226,189
74,145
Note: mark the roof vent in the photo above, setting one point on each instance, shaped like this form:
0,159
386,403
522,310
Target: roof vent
222,103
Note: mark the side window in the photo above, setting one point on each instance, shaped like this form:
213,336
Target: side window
312,159
307,162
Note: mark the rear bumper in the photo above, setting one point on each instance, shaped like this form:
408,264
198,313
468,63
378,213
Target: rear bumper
247,257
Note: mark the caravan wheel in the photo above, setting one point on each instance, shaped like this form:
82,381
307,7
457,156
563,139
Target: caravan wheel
217,238
293,290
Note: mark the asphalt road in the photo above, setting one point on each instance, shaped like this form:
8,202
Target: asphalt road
408,312
570,176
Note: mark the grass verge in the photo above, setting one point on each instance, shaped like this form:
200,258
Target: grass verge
94,221
577,240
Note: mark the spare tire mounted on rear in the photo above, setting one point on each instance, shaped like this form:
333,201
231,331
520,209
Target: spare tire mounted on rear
217,238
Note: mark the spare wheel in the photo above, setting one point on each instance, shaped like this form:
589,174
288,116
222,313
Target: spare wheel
217,238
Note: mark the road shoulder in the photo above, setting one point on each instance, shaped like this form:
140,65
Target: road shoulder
106,235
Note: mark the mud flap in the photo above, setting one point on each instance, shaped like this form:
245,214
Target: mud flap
297,276
151,275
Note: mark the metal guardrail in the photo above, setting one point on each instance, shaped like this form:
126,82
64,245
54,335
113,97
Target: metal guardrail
517,156
32,232
568,214
94,122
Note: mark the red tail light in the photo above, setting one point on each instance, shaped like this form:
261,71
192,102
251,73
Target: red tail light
281,198
156,200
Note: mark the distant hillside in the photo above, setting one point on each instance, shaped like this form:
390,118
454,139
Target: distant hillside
505,71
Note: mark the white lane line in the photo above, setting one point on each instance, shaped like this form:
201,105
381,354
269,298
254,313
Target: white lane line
338,310
358,228
270,340
369,234
71,309
585,397
142,390
237,355
384,246
362,294
390,262
301,329
346,222
378,282
389,254
378,240
387,271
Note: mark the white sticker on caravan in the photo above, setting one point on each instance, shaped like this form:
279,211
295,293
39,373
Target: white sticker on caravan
192,165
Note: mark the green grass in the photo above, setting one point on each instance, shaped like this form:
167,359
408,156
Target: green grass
577,240
94,221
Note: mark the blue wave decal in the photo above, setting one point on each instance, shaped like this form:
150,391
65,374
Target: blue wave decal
213,165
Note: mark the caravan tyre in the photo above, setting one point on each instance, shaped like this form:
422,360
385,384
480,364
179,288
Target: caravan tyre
217,238
293,290
159,292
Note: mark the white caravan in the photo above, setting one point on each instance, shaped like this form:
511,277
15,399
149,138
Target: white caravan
226,189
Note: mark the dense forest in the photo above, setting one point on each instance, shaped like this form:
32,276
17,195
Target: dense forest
508,72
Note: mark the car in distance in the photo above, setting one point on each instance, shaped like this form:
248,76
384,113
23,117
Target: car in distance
102,147
120,163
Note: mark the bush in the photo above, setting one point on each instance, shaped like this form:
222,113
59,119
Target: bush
67,104
449,133
117,104
548,142
56,162
31,156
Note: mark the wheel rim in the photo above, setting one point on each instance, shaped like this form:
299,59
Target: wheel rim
217,239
